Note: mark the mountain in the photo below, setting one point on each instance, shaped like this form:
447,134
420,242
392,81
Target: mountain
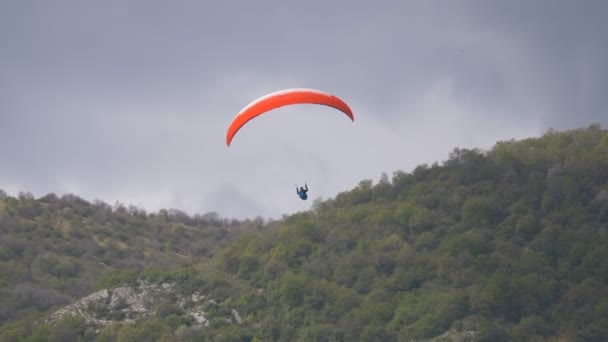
508,244
54,250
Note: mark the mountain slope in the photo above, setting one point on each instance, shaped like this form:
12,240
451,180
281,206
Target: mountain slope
509,244
499,245
55,250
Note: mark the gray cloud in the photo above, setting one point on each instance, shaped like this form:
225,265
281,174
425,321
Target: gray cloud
129,100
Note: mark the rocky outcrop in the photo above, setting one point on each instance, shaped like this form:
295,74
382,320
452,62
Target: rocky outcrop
128,304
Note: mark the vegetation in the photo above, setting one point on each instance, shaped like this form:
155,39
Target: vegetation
55,250
508,244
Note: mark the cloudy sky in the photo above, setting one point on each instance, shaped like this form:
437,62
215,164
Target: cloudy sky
129,100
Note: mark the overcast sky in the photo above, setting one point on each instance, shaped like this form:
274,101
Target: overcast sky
129,101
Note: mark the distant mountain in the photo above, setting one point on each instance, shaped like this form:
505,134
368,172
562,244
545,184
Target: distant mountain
508,244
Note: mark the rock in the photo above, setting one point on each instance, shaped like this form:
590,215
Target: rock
129,304
237,317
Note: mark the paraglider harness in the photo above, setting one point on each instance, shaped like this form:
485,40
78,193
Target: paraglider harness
302,191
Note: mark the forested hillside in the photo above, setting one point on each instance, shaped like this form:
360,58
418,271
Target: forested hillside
508,244
54,250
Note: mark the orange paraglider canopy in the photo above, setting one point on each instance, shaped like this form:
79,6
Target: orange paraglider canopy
283,98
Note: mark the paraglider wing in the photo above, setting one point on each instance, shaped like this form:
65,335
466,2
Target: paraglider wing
283,98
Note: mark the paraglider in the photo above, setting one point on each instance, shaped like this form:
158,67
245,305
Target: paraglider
282,98
302,192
